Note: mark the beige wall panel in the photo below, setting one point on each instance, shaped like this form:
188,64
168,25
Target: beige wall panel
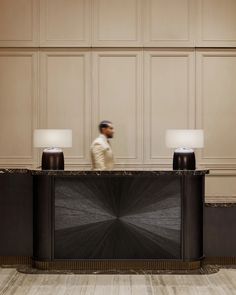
65,99
65,23
216,23
216,108
169,23
118,97
18,112
116,22
221,188
19,23
169,100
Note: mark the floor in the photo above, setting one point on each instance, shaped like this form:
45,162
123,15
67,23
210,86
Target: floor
13,282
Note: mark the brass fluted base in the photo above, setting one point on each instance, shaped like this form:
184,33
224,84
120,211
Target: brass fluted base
220,260
108,265
15,260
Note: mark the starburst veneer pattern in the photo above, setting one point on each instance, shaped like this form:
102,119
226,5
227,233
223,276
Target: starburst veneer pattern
117,217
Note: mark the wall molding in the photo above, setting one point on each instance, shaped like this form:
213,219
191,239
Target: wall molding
33,54
201,41
44,58
33,41
47,41
213,161
114,42
190,116
220,199
96,99
168,41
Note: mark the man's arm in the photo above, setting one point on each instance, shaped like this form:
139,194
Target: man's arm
98,156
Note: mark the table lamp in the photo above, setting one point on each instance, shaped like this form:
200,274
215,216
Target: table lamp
53,140
184,140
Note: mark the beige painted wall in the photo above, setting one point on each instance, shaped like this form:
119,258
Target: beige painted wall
147,65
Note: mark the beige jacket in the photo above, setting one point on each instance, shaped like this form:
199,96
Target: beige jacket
101,154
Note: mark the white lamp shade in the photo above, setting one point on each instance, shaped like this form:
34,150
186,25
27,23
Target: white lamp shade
61,138
185,138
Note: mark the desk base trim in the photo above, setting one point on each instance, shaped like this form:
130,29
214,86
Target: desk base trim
221,260
109,265
15,260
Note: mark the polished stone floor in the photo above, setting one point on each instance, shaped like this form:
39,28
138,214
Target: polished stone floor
14,282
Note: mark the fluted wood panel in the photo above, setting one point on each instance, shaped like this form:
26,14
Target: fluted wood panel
18,113
169,99
117,96
65,98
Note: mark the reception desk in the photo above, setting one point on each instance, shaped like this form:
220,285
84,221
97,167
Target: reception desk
104,220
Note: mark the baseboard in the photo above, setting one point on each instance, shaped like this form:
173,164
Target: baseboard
220,260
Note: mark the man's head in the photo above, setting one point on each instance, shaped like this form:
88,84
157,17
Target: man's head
105,127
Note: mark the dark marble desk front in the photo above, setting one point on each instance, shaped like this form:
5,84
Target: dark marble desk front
118,215
18,188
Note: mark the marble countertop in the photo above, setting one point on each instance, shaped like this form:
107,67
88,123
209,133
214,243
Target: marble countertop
138,172
14,171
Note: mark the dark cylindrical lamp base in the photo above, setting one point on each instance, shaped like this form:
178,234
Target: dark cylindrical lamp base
184,161
53,160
